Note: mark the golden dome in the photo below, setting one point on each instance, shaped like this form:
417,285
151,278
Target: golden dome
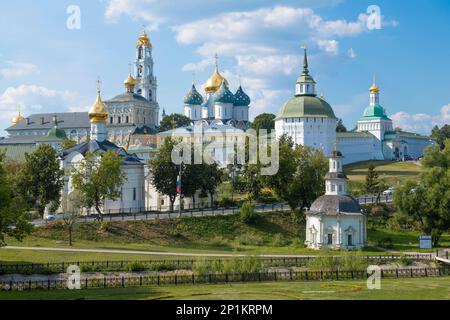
17,119
215,81
129,82
374,88
98,111
144,40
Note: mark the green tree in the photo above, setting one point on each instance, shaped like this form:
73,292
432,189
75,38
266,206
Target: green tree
371,185
68,143
299,180
428,201
211,177
264,121
73,208
13,216
340,126
98,178
441,135
164,171
175,120
41,178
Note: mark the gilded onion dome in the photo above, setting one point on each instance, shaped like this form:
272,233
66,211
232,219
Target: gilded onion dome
241,98
224,95
130,82
144,40
17,119
98,111
193,97
215,81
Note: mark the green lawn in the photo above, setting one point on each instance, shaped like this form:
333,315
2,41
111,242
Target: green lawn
393,172
391,289
274,233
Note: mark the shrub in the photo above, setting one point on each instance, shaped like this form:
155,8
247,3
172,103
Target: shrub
104,226
279,241
266,196
135,266
401,222
235,265
250,239
404,261
246,213
346,262
227,202
386,243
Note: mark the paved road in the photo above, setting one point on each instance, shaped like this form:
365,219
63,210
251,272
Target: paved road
206,212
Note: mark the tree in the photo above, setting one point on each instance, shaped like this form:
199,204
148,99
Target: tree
340,126
164,171
98,178
73,208
264,121
441,135
428,200
41,178
211,177
174,120
68,143
13,216
371,185
299,180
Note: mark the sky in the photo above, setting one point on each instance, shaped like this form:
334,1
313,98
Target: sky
47,67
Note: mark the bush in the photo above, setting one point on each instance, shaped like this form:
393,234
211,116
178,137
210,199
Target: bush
279,241
235,265
135,266
250,239
404,261
386,243
227,202
266,196
401,222
104,226
346,262
246,213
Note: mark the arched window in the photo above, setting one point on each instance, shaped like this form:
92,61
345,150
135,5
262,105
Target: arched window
139,91
119,119
127,119
150,95
141,53
111,120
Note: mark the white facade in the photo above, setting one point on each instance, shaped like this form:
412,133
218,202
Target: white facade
335,220
317,132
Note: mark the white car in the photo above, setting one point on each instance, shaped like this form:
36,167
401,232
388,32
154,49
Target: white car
388,192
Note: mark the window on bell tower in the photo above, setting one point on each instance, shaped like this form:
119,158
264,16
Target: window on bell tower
141,53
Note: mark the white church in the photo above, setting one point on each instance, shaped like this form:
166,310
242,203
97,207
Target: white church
133,190
309,120
335,220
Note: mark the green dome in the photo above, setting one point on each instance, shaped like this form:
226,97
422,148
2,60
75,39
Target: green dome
305,106
57,134
375,112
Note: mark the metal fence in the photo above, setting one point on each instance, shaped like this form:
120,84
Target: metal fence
137,280
173,264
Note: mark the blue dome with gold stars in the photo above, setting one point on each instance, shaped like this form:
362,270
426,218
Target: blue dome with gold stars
241,98
193,97
224,95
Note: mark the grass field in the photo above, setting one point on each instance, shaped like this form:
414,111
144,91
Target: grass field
274,233
393,172
391,289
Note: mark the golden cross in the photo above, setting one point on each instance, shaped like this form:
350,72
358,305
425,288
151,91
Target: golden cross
335,145
216,57
129,65
193,78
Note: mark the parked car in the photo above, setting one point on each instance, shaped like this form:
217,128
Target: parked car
388,192
50,217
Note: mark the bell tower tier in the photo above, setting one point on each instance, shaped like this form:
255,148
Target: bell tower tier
335,180
146,82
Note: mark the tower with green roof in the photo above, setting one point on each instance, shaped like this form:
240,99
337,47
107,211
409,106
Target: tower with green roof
374,119
309,120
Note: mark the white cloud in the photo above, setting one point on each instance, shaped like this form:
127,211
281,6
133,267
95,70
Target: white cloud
267,65
32,98
329,46
12,69
199,66
136,10
421,122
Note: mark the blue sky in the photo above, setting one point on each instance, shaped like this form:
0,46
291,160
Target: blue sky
46,67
